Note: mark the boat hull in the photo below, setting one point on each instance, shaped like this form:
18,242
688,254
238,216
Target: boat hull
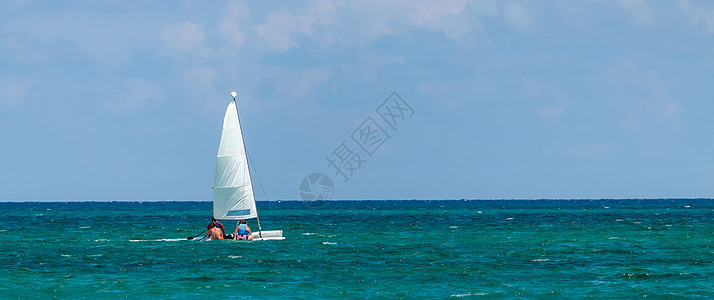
262,236
268,235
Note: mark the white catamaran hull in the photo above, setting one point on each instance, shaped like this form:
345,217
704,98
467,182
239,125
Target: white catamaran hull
262,236
268,235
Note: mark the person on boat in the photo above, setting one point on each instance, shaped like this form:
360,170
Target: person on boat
215,230
243,231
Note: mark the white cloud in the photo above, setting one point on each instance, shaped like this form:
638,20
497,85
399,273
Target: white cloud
367,22
230,26
108,39
281,28
278,30
197,83
139,94
641,97
321,12
663,107
361,23
186,38
638,9
670,109
551,112
370,63
441,16
485,7
517,16
13,92
542,94
455,18
184,35
425,12
309,81
699,14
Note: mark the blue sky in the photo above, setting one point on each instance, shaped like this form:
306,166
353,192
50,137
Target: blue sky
123,100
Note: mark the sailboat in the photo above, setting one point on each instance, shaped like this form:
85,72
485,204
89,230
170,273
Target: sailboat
233,197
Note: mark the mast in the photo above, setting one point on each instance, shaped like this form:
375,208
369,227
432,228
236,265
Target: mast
234,94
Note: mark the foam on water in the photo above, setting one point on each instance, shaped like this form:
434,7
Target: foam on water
160,240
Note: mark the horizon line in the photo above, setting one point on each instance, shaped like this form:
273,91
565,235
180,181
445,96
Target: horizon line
413,199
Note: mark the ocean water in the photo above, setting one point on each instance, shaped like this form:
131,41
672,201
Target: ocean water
538,249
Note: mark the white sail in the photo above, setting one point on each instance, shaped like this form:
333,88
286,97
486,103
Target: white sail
233,197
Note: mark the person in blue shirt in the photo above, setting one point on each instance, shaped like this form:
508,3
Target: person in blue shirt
215,230
243,231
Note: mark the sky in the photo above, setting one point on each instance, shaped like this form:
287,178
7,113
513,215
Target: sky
452,99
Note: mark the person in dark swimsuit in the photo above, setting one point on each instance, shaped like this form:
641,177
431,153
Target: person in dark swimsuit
215,230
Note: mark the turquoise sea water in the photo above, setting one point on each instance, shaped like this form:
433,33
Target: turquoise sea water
539,249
